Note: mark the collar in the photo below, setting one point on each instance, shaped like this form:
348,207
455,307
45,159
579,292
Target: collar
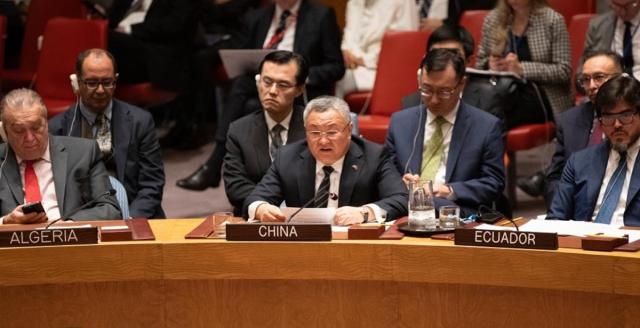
632,151
294,10
337,166
450,118
45,157
271,122
91,116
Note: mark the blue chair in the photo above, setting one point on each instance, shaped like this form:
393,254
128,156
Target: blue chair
121,196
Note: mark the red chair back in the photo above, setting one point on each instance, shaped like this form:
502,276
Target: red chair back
64,38
398,63
577,35
3,39
570,8
472,20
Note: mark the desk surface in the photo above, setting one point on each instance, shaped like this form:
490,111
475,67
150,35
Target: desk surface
171,272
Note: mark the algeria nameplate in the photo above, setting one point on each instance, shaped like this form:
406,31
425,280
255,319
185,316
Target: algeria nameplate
49,237
278,232
506,238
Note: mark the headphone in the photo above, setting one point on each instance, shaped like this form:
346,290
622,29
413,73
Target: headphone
74,83
76,90
3,134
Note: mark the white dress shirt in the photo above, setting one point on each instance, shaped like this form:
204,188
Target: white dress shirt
447,129
289,32
612,164
135,17
284,133
618,38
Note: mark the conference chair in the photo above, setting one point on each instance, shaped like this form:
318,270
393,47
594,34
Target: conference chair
570,8
398,63
472,20
577,35
121,196
38,14
64,38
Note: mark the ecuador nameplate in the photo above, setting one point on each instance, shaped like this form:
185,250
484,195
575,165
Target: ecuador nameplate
503,238
49,237
278,232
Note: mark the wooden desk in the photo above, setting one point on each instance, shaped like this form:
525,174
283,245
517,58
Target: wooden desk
173,282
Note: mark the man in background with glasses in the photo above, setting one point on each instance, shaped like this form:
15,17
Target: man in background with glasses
601,183
578,127
330,169
457,146
125,133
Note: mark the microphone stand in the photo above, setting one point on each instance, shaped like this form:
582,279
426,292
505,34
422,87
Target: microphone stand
109,192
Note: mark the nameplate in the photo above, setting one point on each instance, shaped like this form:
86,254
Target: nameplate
49,237
502,238
278,232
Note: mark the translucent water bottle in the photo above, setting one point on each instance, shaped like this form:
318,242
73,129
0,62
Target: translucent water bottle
422,214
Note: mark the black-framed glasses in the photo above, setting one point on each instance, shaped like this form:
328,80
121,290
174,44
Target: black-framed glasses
280,85
444,93
624,118
93,84
597,78
331,134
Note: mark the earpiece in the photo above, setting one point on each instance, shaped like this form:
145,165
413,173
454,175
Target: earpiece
74,83
419,75
3,134
257,77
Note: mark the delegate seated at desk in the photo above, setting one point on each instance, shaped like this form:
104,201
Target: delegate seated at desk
601,183
333,169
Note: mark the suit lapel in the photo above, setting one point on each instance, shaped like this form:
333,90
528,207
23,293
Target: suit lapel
634,183
306,176
121,125
415,165
585,123
261,140
296,126
351,167
58,155
458,138
300,27
537,35
597,168
11,172
263,27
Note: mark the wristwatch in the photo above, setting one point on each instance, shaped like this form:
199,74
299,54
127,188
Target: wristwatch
365,214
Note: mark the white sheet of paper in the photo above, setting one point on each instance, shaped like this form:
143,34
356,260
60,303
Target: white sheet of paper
571,228
310,215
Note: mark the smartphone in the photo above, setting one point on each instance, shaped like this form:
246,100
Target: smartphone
32,208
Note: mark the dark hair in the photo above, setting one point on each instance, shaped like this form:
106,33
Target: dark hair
455,33
437,60
620,88
617,60
84,54
282,57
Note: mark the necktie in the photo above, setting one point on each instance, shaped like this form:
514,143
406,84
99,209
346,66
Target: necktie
322,194
432,152
627,49
103,135
276,139
31,186
613,191
278,35
596,134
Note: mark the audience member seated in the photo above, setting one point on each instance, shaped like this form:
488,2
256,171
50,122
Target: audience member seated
125,133
576,128
63,173
333,169
617,31
457,146
302,26
366,23
529,39
452,37
600,183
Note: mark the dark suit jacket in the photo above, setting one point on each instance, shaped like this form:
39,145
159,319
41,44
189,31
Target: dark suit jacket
317,38
78,174
368,177
136,151
475,168
578,189
573,129
247,158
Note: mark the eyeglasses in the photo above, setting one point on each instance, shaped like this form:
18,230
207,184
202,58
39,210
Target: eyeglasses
331,134
624,118
280,85
93,84
444,93
597,78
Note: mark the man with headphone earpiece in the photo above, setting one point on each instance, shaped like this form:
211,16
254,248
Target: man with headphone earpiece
457,146
125,133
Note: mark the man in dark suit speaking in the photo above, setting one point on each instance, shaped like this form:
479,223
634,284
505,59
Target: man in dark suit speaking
253,140
61,173
125,133
457,146
332,169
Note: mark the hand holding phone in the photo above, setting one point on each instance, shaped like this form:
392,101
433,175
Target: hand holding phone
33,208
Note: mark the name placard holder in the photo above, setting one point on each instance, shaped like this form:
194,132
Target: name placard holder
49,237
278,232
504,238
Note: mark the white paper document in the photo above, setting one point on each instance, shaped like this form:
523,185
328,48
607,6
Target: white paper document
569,228
310,215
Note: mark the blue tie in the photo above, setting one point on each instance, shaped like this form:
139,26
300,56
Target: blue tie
613,191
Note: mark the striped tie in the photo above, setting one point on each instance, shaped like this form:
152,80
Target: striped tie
322,195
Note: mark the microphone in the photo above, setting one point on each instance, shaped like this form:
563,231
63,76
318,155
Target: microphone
92,202
311,201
